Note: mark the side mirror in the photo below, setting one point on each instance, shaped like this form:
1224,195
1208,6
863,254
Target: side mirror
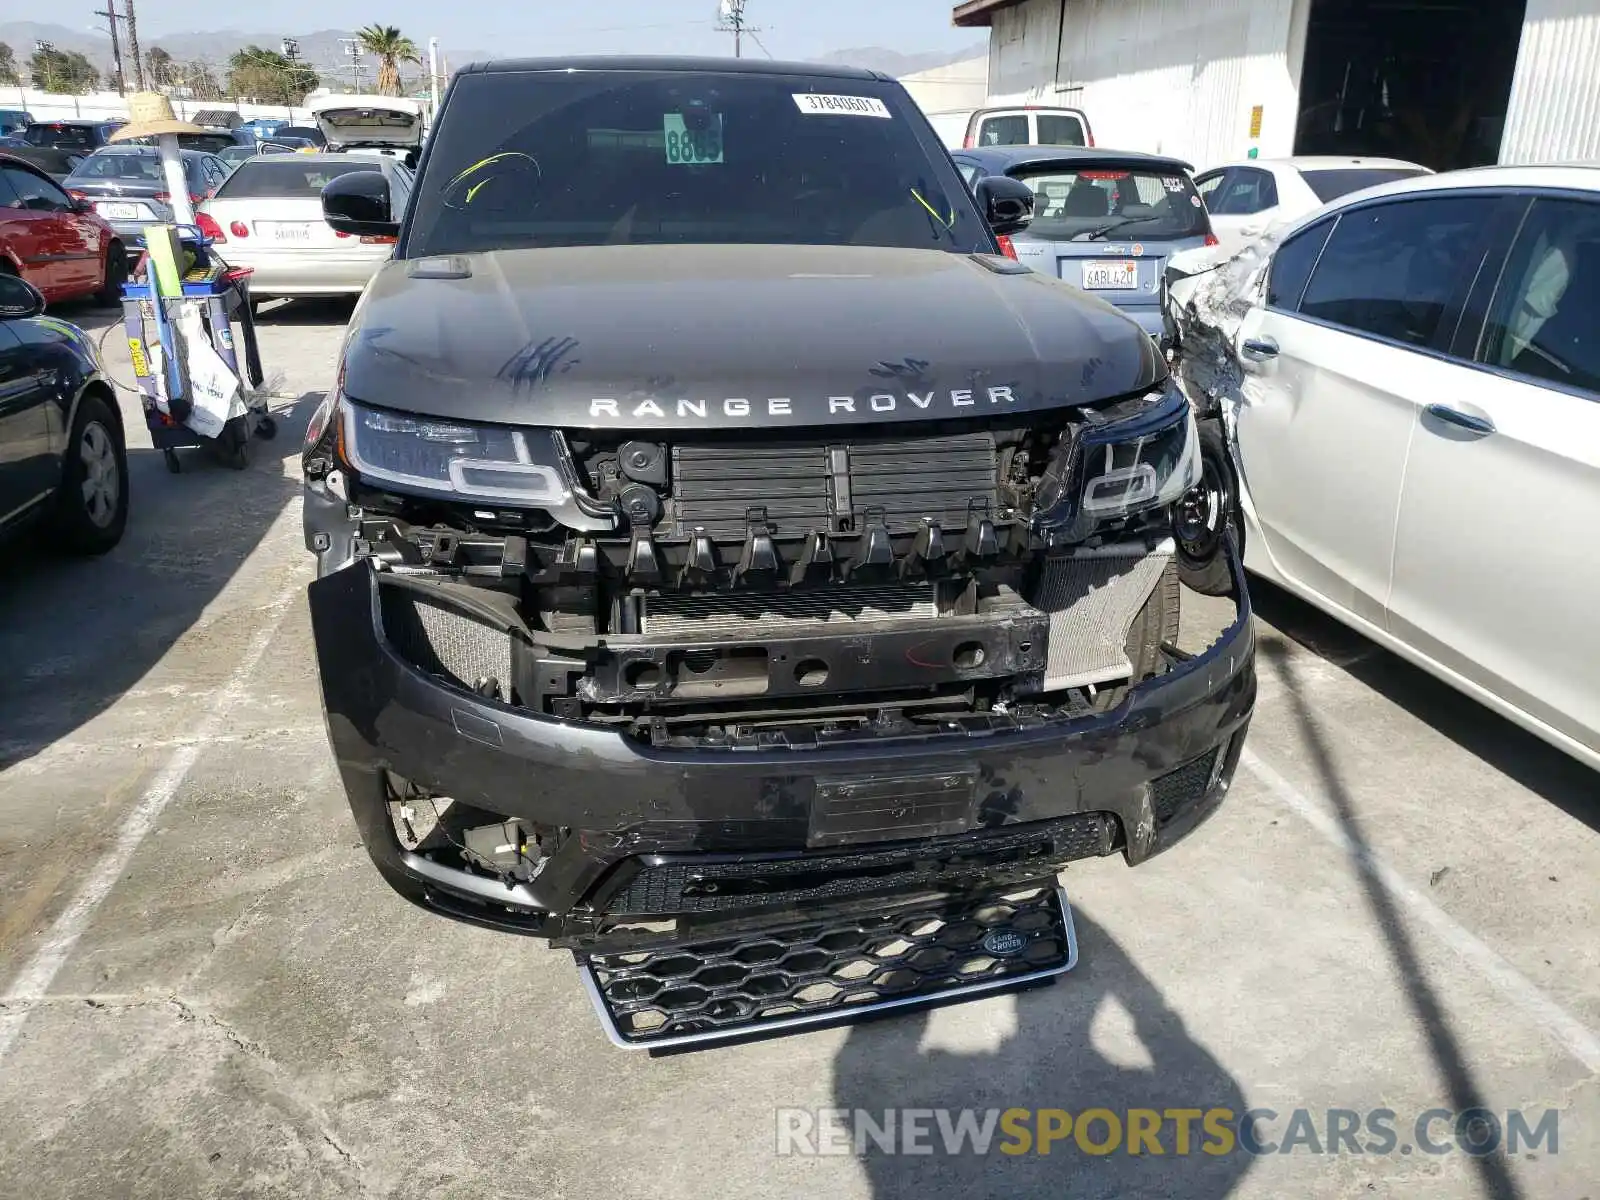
358,203
1007,203
19,299
82,206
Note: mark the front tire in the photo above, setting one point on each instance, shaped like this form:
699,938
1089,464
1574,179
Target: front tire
92,508
1207,515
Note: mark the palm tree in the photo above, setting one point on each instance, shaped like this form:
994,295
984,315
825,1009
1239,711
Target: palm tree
391,48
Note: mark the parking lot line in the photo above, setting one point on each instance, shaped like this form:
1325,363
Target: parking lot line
1575,1037
32,984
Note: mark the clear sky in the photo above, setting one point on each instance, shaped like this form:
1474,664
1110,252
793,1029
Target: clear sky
788,28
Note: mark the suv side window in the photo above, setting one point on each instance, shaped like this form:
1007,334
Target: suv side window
1545,312
35,193
1292,265
1210,187
1395,269
1009,130
1245,192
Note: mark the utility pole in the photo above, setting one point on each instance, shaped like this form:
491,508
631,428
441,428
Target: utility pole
352,49
109,12
133,46
433,77
730,19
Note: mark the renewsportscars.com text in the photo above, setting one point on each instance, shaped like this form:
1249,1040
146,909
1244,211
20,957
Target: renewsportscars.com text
1175,1131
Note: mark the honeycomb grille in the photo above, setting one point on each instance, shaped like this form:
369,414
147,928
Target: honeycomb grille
1178,789
699,886
445,643
768,980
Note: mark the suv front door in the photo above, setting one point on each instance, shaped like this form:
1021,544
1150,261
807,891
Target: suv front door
1495,576
1341,356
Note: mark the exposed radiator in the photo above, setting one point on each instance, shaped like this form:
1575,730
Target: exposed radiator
1092,597
736,614
831,486
442,642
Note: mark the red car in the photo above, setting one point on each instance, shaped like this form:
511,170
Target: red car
58,244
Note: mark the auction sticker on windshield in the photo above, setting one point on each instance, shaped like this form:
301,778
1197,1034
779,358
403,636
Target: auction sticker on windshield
817,104
691,147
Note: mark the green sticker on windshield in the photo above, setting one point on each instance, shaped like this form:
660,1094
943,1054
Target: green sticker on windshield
688,147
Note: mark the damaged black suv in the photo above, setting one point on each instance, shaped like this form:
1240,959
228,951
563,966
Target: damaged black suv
732,566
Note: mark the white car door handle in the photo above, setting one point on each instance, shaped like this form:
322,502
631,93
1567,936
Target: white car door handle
1471,422
1260,349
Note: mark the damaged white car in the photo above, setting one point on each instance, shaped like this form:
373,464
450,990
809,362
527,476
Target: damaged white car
1409,382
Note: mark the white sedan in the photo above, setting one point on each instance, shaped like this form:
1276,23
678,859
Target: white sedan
1415,403
1255,196
268,216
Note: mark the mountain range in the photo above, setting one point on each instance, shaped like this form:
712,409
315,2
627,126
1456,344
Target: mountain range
322,49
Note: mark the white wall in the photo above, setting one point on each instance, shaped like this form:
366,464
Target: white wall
1170,76
46,106
957,87
1555,95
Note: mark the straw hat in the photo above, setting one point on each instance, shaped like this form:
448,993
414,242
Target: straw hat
151,113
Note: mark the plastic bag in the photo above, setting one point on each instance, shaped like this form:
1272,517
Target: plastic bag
213,388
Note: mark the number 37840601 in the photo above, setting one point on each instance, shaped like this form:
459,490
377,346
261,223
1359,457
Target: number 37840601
689,147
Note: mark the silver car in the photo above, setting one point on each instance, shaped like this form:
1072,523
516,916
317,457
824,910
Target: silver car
268,217
127,187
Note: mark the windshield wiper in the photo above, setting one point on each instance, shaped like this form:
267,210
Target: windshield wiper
1088,235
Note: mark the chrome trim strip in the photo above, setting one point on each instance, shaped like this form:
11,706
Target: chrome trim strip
481,886
837,1016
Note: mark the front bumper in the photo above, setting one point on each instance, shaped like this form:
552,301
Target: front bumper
645,829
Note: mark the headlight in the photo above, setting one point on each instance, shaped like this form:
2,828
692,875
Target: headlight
452,459
1123,461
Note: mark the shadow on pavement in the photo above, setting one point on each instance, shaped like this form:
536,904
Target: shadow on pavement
1511,750
1049,1062
1493,1170
76,634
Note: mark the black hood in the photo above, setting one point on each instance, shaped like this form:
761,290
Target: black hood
721,337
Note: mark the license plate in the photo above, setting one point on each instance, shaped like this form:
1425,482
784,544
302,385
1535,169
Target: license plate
298,231
1110,276
118,212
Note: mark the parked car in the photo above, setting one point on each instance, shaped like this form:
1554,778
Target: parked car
268,216
127,186
1416,399
234,155
57,164
55,242
264,127
842,545
83,136
370,125
1249,198
63,457
307,133
14,121
1103,220
1019,125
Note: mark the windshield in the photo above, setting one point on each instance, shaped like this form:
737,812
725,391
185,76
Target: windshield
285,176
118,164
650,158
1330,185
1100,203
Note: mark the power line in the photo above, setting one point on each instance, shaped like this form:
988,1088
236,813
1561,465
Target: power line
759,42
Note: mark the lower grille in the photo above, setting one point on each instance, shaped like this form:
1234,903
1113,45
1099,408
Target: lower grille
697,886
777,980
1092,598
1180,788
442,642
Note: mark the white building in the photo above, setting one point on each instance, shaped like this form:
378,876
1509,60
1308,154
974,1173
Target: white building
1449,83
948,94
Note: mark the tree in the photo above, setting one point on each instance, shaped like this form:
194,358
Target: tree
268,77
391,48
159,68
8,66
64,73
200,81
